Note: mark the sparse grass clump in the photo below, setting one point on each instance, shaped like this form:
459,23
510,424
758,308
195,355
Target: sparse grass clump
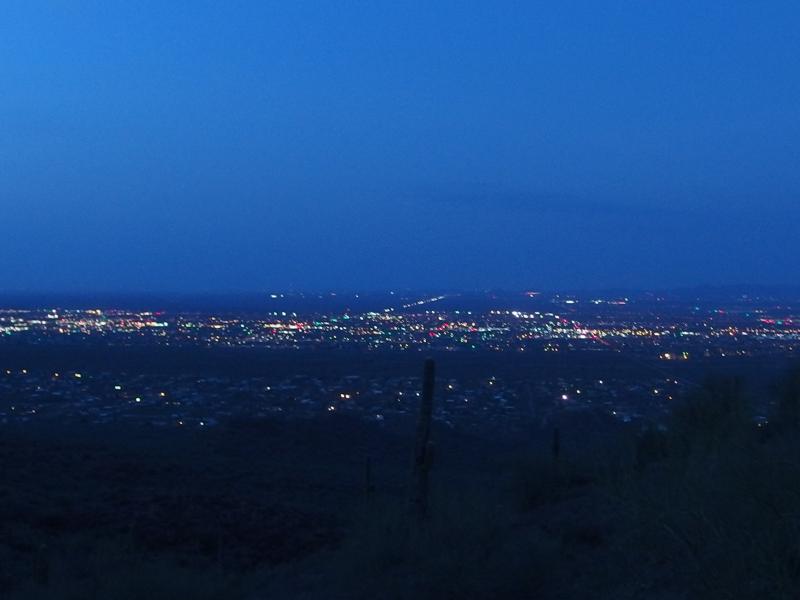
539,481
468,547
81,568
716,507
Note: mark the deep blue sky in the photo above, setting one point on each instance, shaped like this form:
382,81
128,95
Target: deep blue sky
245,146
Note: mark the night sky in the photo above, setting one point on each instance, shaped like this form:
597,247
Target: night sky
252,146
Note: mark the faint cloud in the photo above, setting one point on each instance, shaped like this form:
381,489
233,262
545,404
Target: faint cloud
480,196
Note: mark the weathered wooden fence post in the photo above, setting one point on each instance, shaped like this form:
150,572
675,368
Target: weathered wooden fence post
423,447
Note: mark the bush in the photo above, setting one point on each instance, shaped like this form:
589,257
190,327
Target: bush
788,413
717,415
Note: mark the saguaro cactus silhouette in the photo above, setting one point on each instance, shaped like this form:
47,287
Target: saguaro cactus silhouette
423,447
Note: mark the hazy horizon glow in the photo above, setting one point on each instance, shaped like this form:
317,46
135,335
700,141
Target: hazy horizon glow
250,146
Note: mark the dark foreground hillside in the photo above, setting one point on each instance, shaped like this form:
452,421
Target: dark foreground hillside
705,508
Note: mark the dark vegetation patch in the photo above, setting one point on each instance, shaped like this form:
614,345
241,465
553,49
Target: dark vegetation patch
702,506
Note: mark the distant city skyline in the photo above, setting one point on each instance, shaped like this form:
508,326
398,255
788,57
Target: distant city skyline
160,148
